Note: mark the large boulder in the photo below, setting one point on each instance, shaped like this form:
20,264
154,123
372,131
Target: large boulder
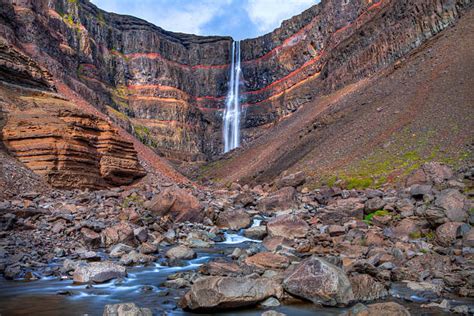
448,232
178,204
321,282
234,220
180,252
119,233
453,204
98,272
288,226
126,309
282,199
212,293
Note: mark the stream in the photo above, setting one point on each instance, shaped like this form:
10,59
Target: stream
143,286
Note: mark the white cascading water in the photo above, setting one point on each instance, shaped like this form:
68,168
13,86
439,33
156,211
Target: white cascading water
231,128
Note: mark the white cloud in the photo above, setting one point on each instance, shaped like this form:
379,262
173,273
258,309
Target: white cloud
268,14
177,16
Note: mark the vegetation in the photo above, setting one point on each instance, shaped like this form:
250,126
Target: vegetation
368,218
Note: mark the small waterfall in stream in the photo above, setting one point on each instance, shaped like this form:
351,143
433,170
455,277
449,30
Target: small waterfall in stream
231,124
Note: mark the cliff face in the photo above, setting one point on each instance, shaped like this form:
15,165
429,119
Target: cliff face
51,136
169,89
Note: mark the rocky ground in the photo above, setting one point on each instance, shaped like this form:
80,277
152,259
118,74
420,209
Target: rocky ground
329,246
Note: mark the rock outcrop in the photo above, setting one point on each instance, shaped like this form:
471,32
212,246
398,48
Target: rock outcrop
51,136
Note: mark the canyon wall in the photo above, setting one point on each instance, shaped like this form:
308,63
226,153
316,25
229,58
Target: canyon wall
169,89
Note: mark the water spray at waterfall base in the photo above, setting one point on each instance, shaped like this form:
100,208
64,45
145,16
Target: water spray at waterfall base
232,113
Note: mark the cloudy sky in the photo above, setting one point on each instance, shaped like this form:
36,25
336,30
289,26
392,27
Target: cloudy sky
238,18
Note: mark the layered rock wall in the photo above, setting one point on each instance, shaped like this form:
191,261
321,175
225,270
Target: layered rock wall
169,88
51,136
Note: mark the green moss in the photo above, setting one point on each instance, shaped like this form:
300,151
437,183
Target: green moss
368,218
120,115
358,183
132,200
415,235
144,134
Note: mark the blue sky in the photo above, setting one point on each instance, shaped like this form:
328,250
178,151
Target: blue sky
238,18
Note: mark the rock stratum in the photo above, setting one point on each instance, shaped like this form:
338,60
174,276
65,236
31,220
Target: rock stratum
169,89
52,137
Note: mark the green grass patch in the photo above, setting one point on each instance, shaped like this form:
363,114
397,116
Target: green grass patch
132,200
369,217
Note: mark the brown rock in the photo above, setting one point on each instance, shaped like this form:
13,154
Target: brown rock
272,243
448,232
126,309
181,253
211,293
234,220
379,309
268,260
366,288
280,200
91,237
320,282
98,272
336,230
292,180
454,205
288,226
119,233
351,207
178,203
468,240
218,268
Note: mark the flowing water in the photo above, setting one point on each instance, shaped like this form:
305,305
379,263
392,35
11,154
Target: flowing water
143,286
232,113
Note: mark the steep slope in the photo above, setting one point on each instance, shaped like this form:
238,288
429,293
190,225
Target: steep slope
377,129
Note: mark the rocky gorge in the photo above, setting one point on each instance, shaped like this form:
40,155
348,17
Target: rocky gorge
98,110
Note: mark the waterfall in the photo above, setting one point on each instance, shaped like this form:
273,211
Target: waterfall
231,126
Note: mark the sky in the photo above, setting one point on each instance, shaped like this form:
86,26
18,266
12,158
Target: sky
237,18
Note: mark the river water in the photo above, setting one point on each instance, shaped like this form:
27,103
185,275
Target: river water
143,286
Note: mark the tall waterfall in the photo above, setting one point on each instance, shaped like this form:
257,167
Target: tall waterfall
231,126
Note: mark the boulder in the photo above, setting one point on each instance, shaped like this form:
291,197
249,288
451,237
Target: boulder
453,204
257,232
292,180
119,250
336,230
419,190
268,260
178,204
245,199
213,293
135,257
288,226
366,288
119,233
91,237
98,272
234,220
282,199
351,207
437,173
379,309
319,281
468,239
272,313
180,253
448,232
374,204
141,234
126,309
